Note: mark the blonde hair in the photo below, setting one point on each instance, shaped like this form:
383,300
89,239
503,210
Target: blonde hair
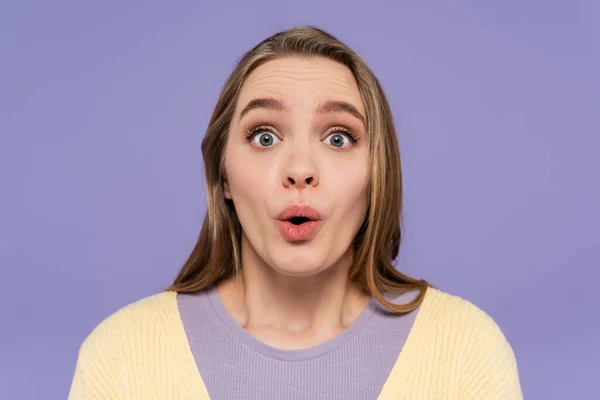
216,255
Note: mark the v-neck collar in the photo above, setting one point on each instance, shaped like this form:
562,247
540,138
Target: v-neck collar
397,378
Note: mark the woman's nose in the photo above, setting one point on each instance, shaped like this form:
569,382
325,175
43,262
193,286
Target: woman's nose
300,180
300,168
300,171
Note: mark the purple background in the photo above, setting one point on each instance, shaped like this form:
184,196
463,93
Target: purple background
103,107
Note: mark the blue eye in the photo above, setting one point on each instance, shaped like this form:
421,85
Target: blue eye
337,140
265,139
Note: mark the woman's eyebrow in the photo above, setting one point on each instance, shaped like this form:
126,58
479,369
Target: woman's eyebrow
266,103
340,106
323,108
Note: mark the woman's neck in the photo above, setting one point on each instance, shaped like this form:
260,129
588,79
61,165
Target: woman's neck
293,312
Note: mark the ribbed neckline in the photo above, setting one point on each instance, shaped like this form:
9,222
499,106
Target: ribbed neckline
287,355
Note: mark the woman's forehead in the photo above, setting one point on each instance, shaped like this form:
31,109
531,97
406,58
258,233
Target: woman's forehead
299,82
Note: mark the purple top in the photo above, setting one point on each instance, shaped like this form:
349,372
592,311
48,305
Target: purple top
233,364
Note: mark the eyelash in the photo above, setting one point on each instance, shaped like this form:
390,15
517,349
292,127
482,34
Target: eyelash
261,128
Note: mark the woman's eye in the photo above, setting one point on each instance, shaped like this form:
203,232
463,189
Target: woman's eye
337,140
265,139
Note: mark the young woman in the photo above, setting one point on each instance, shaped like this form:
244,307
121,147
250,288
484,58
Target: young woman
291,290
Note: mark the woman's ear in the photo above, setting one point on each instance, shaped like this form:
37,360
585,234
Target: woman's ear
226,190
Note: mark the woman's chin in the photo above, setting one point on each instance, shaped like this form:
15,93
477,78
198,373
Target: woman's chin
304,262
299,269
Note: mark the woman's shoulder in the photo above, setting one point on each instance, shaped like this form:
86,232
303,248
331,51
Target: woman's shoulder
121,353
463,322
130,322
457,311
471,338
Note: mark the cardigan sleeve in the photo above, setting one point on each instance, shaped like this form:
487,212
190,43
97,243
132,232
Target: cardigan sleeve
489,367
91,381
97,369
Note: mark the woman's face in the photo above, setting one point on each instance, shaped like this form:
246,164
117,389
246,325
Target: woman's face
291,143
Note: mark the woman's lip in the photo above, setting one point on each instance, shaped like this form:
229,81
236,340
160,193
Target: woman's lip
299,210
295,233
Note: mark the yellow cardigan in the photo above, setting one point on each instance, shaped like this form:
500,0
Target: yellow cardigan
454,351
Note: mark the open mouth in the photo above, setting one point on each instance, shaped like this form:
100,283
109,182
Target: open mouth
299,228
299,223
298,220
